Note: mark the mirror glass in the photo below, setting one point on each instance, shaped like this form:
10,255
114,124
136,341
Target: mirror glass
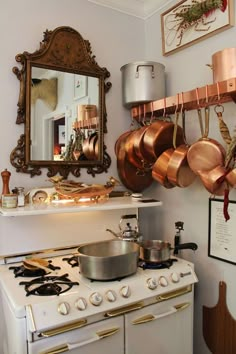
60,101
62,106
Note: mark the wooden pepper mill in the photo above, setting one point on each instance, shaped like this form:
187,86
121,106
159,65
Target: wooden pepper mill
5,179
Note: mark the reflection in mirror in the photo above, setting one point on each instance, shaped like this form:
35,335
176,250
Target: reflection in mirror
60,102
62,105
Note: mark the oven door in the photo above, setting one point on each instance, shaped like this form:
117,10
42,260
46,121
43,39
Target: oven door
162,328
102,337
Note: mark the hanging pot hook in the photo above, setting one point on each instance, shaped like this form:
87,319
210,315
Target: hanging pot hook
219,109
199,112
152,114
176,120
207,115
164,111
144,115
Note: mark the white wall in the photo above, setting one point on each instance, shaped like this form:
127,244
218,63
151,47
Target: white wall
186,70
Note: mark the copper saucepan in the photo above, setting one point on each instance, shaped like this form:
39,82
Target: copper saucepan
132,157
231,178
87,145
178,171
215,180
119,141
159,168
206,153
128,173
159,137
139,147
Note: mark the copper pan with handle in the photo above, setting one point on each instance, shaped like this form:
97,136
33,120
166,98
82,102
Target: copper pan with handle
159,137
206,153
128,174
178,171
119,141
132,141
160,167
215,180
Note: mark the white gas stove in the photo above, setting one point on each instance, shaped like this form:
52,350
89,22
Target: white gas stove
84,302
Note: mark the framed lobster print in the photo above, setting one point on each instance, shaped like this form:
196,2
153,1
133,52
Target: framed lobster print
190,21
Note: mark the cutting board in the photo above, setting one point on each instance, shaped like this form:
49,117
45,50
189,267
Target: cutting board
219,327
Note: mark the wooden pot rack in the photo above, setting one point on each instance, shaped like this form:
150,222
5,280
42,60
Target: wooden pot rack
218,93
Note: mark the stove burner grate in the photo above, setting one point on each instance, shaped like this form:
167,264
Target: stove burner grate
73,261
48,285
22,271
152,265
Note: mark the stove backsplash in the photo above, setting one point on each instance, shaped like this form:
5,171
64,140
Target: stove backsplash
31,233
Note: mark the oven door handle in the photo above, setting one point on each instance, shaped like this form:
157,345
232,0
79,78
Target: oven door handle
151,317
70,346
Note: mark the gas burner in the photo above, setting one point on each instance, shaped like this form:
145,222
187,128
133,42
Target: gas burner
73,261
152,265
48,285
22,271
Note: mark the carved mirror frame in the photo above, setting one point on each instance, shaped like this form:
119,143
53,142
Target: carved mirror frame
62,49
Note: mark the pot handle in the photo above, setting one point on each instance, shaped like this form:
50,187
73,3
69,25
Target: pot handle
187,246
137,69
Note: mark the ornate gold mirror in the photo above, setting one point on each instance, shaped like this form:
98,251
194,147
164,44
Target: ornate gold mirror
62,105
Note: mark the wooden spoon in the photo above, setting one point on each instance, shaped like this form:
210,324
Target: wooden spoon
35,263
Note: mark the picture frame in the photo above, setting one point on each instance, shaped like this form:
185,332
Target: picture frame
186,23
80,86
221,233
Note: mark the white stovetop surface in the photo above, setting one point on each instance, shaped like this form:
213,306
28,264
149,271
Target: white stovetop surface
45,308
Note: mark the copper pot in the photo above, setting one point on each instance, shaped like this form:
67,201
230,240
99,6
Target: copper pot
178,171
215,180
128,174
224,64
139,147
130,151
159,137
90,149
159,169
206,153
231,178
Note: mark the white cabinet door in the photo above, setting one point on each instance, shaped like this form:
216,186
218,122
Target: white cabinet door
164,328
85,340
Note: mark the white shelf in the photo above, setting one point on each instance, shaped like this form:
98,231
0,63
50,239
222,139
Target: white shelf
57,208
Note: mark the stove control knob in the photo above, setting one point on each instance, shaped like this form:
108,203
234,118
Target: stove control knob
151,283
125,291
111,295
163,281
63,308
95,299
81,304
175,277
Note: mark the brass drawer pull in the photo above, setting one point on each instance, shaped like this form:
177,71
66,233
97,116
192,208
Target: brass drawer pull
63,329
150,317
69,346
174,294
125,309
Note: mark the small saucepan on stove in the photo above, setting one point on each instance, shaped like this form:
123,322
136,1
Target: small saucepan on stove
157,251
